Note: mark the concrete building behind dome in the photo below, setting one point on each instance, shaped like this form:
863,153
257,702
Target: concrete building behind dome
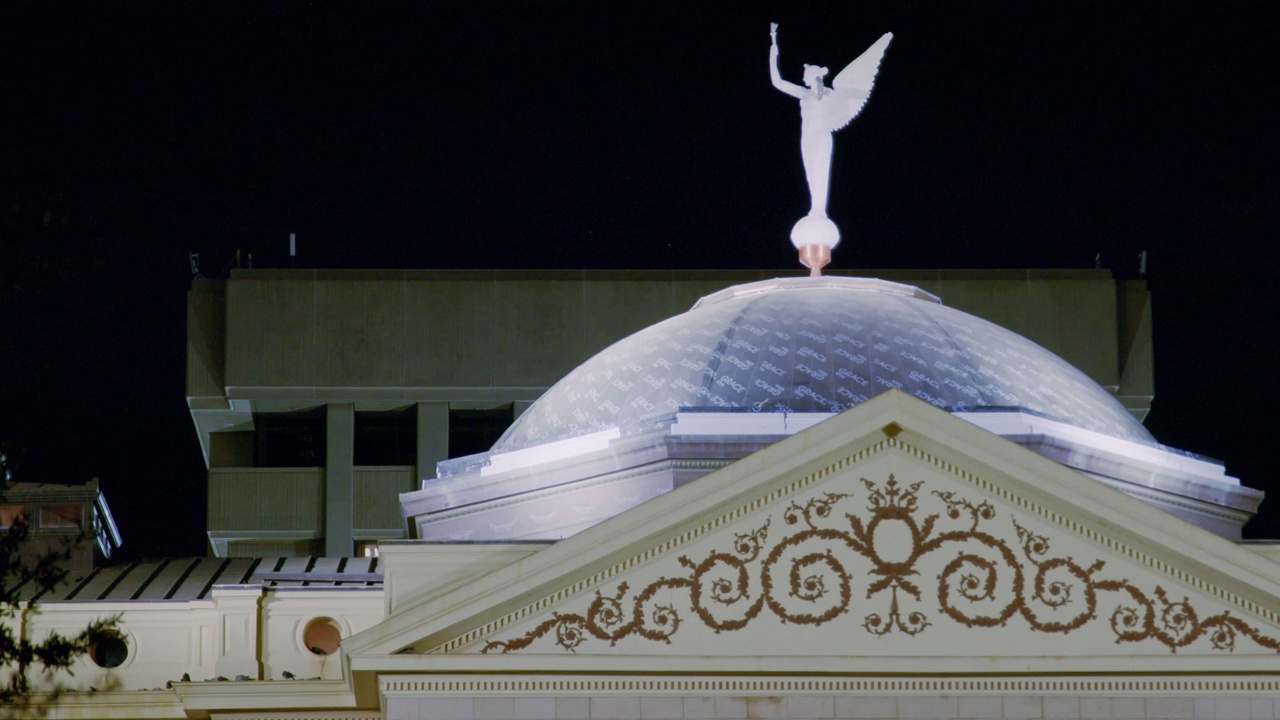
319,396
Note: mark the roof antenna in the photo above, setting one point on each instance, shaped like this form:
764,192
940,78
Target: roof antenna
194,259
293,247
1142,264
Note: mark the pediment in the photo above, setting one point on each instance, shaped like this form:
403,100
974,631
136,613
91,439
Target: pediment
893,531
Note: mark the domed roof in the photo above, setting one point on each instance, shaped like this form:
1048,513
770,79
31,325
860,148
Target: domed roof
816,345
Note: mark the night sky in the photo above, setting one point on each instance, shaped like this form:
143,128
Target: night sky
608,135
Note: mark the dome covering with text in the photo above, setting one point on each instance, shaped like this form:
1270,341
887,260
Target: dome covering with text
816,345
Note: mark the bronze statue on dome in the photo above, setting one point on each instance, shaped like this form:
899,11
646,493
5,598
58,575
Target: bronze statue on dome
824,110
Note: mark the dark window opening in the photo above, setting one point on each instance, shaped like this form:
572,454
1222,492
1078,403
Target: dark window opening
386,438
475,431
293,439
109,651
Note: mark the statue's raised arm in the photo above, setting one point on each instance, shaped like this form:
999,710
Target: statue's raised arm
823,111
789,88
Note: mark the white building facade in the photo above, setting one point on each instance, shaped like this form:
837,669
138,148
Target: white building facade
890,558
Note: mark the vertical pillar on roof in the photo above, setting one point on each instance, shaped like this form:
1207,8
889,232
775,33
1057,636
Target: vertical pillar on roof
433,439
339,479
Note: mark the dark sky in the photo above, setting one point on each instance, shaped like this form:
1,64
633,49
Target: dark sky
608,135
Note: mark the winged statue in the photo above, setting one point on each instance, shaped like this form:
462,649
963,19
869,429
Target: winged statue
823,111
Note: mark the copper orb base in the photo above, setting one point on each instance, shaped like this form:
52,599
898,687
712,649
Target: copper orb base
815,257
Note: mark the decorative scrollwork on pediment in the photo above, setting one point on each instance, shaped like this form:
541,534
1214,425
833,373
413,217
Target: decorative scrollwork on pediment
978,579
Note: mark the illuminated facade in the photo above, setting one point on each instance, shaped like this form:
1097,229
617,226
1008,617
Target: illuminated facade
888,559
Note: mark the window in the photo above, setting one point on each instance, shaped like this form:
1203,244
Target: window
109,651
367,548
9,514
475,431
386,438
321,636
61,516
293,439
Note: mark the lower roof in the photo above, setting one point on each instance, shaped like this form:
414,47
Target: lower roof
184,579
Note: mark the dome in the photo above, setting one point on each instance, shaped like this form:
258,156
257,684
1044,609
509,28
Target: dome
816,345
753,364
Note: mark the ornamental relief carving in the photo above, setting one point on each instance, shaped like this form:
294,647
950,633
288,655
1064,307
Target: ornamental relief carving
879,560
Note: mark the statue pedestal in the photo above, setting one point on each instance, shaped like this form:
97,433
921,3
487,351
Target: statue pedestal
815,230
814,236
815,257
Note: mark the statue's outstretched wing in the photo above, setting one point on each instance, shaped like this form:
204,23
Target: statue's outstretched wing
852,86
